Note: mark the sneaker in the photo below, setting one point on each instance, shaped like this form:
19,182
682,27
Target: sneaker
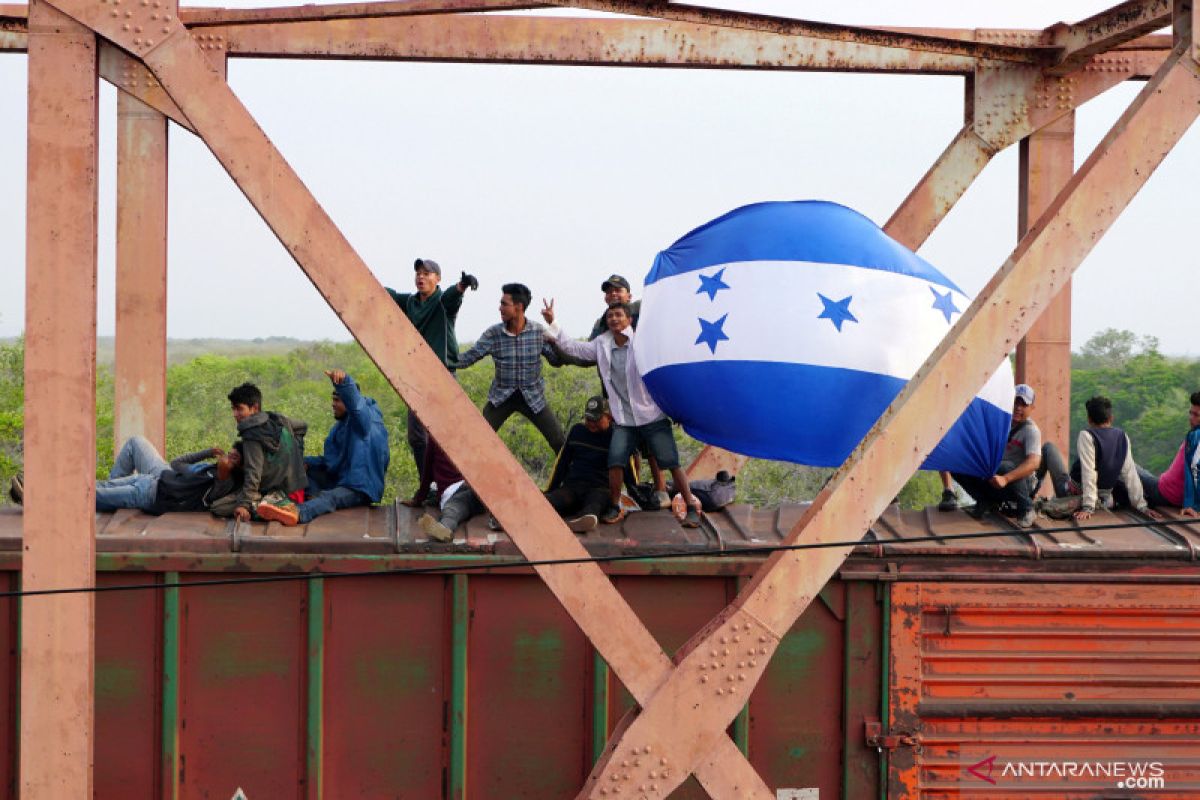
1026,520
949,501
691,519
284,515
16,489
613,515
434,529
583,524
494,524
662,500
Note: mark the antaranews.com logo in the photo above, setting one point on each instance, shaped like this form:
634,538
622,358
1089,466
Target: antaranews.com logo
1064,773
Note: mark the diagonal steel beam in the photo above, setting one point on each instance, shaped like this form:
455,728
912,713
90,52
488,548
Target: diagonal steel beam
1106,30
277,193
818,30
687,714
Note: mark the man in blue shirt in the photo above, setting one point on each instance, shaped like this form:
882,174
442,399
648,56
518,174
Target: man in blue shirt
517,345
351,470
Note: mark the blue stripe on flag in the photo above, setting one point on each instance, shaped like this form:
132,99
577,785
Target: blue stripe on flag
762,408
800,230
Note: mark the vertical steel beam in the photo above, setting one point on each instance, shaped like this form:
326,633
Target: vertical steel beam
57,654
141,343
1047,161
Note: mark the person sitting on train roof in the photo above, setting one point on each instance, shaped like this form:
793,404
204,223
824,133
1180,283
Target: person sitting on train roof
578,486
442,486
1014,479
517,346
1104,470
433,313
272,448
351,470
637,418
1179,485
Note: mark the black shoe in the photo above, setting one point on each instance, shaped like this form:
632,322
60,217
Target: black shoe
980,510
613,515
691,519
949,501
16,489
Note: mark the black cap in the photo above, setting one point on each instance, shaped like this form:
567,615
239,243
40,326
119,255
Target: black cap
595,408
615,280
429,265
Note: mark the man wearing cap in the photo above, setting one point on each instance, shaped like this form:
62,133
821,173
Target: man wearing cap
1013,482
637,418
579,483
616,290
433,313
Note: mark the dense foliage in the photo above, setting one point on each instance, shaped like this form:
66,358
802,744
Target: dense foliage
1150,393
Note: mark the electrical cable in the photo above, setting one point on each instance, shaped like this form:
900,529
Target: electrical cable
519,563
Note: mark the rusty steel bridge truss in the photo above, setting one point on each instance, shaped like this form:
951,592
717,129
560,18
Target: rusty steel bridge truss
1022,86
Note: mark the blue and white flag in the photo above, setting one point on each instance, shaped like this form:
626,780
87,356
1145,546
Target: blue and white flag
784,330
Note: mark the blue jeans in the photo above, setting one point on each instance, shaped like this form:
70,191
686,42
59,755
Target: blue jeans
137,456
324,495
129,491
657,436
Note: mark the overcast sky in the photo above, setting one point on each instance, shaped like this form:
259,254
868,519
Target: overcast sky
559,176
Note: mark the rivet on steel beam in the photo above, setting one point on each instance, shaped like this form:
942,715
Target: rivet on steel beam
753,664
166,29
124,27
704,679
137,29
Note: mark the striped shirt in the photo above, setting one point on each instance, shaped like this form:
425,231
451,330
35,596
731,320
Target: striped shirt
518,359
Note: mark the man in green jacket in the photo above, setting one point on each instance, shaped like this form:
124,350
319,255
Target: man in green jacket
433,313
272,448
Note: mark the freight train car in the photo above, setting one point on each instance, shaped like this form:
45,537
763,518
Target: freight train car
1057,663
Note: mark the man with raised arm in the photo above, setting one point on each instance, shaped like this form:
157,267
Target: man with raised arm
350,472
433,313
517,345
636,416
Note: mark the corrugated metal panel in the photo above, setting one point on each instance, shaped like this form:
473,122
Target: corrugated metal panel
1034,676
386,671
242,709
128,670
528,693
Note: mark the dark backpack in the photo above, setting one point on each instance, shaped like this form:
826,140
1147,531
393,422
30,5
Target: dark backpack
715,493
181,491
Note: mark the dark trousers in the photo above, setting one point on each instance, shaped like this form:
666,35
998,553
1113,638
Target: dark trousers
1017,492
1150,489
544,420
461,506
417,437
577,501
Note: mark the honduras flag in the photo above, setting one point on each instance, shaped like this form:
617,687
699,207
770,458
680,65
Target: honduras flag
784,330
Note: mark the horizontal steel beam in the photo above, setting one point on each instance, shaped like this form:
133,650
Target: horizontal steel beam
557,40
817,30
193,17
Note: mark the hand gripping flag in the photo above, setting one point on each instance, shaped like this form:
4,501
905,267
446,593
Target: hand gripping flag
784,330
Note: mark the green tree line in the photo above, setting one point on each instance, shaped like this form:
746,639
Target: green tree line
1150,393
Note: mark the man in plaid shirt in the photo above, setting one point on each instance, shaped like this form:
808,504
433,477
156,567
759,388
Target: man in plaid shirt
517,345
